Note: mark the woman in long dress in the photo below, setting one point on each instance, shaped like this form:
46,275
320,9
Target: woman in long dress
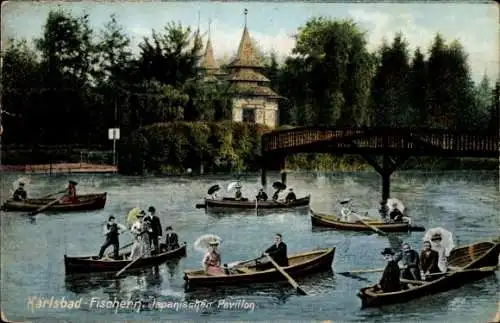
212,260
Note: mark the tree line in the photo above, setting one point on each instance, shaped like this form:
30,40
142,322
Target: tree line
74,83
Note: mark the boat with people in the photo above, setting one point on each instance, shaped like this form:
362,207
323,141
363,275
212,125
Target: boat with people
261,200
466,264
334,222
85,202
254,271
353,220
92,264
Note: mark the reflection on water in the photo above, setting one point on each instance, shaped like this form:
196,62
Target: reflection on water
32,248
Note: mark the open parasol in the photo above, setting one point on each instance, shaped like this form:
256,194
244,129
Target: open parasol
394,201
132,216
446,239
279,186
233,185
202,243
213,189
24,180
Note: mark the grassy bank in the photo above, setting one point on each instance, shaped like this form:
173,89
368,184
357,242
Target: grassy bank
325,162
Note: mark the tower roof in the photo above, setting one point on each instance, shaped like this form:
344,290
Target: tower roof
208,63
247,75
246,56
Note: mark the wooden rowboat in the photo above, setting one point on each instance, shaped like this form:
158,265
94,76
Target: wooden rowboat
91,264
86,202
231,203
466,264
260,271
333,222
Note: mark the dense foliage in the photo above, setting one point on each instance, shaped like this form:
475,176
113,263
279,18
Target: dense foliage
74,83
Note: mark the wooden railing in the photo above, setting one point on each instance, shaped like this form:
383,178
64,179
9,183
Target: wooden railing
382,139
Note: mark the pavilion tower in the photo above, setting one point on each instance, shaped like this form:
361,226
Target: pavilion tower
254,101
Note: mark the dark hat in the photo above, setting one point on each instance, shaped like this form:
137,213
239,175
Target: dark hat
168,228
387,251
151,209
73,182
21,184
111,218
141,214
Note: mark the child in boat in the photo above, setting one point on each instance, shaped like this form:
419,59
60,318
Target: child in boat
212,260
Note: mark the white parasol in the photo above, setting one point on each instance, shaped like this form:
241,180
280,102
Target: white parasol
202,243
446,239
25,180
233,185
394,201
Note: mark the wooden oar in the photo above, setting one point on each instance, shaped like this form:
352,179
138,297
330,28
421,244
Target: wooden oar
130,264
50,195
288,277
382,233
121,248
43,208
483,269
362,271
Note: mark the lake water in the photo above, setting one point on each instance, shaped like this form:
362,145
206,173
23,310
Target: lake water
465,203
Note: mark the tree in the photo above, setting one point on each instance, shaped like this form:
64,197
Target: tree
170,58
338,69
418,89
390,97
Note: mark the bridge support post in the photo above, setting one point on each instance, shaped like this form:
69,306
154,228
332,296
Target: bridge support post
283,170
263,172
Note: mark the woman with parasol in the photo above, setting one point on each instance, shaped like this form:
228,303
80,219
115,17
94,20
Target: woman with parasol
442,242
212,259
212,191
278,186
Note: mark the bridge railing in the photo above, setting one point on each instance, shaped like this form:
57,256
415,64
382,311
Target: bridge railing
382,138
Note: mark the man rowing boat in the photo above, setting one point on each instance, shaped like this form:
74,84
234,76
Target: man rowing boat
20,193
71,193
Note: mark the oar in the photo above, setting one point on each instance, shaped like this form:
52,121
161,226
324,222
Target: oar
483,269
121,248
50,195
290,279
362,271
130,264
45,207
382,233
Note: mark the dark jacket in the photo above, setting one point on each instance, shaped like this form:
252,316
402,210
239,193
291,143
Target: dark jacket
155,226
20,194
396,215
429,263
113,233
411,261
279,253
171,241
390,281
290,197
262,196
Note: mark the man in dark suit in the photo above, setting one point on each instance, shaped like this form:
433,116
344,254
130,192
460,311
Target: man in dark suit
278,251
390,281
429,262
156,231
171,240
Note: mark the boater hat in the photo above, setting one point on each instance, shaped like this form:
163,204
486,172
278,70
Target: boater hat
387,251
213,243
73,182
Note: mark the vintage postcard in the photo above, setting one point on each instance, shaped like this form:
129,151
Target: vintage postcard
249,161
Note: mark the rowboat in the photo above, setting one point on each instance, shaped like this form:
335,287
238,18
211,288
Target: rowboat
84,203
333,222
232,203
91,264
465,264
260,271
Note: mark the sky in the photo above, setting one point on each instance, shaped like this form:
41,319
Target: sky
272,24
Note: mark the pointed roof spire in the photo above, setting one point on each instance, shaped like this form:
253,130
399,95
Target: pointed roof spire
246,56
209,64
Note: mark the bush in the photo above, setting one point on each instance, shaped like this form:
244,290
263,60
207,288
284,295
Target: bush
170,148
